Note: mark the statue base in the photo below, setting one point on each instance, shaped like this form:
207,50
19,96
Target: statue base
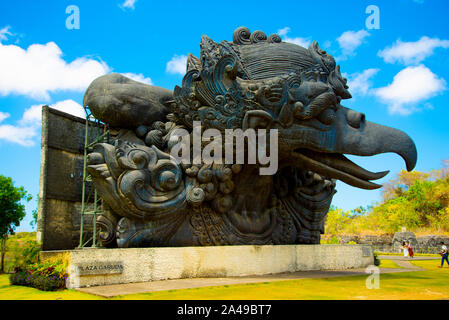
94,267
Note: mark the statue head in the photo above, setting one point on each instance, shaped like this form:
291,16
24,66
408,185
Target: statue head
261,82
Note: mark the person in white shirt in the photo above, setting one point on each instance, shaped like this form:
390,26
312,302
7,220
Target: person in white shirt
444,254
404,249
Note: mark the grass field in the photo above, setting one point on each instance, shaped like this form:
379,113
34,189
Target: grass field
428,284
400,254
388,264
8,292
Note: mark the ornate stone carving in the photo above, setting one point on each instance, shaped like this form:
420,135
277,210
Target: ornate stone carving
255,82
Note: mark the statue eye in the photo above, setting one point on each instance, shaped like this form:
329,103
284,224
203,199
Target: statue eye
327,116
298,109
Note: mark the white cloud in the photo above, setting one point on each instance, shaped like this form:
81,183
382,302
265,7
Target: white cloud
3,116
138,77
360,82
351,40
71,107
20,135
412,52
128,4
303,42
410,86
33,115
40,69
177,65
4,33
283,31
27,128
327,44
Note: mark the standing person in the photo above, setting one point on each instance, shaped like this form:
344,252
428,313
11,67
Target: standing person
404,249
443,254
410,249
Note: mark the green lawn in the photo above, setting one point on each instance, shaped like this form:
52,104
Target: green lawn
429,284
8,292
400,254
388,264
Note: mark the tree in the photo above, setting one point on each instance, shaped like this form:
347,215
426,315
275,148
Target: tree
416,200
33,222
12,211
398,186
337,220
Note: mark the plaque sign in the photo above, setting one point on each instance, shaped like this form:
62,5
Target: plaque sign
366,251
94,268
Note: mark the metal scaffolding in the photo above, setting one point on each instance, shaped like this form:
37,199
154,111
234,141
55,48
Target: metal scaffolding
91,208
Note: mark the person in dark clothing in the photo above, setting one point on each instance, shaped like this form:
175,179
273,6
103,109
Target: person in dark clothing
444,254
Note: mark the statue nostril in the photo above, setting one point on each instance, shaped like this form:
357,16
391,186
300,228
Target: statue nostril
355,118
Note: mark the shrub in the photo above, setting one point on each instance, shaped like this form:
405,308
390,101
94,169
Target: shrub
43,276
21,250
29,254
333,240
38,281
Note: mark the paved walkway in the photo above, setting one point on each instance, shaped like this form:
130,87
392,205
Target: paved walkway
381,257
407,258
404,262
110,291
407,264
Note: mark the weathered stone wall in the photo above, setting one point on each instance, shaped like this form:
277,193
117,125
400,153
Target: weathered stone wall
392,243
61,178
113,266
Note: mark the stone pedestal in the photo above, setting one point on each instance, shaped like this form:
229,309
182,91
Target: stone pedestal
93,267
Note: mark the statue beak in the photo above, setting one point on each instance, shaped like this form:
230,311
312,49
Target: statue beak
356,136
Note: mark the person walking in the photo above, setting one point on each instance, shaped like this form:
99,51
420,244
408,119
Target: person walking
410,249
404,249
443,254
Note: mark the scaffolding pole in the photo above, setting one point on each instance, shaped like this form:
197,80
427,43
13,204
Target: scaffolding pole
97,205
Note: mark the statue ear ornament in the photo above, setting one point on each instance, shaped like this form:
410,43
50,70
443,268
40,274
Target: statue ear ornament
257,119
286,115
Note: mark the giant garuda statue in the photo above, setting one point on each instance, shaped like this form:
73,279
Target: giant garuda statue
253,82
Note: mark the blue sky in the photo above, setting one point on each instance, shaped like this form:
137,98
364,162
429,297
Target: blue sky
398,74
